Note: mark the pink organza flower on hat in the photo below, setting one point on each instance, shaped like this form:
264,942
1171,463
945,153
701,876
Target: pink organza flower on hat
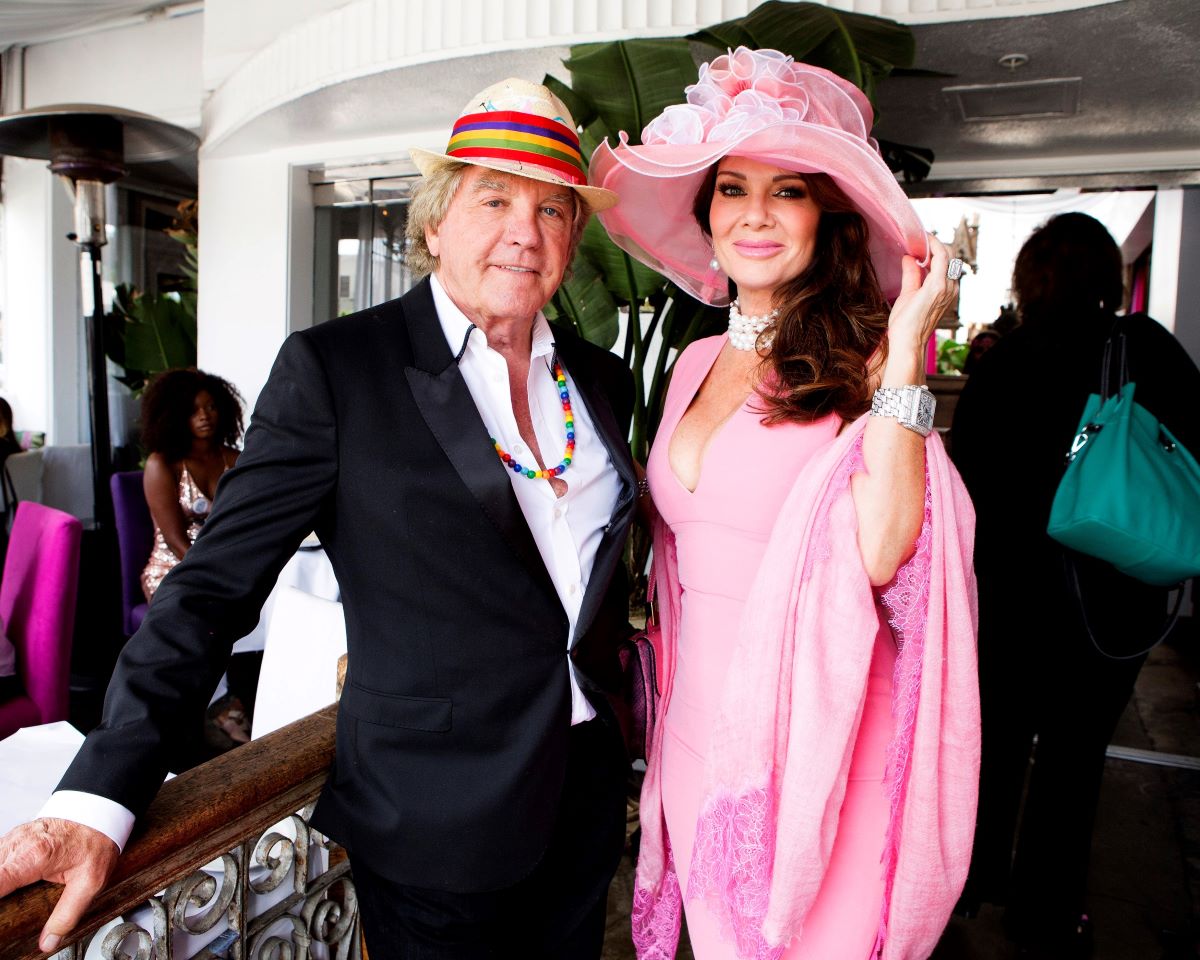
680,123
746,90
752,111
736,71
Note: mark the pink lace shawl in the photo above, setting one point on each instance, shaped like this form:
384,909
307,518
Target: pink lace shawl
769,819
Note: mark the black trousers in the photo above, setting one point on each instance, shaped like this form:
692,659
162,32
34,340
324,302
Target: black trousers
1036,860
555,913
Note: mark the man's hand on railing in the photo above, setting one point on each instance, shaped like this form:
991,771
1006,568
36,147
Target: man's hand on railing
60,851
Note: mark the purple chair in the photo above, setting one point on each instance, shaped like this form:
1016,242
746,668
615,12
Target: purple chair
135,538
37,602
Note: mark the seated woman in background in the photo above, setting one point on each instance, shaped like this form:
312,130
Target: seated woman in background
191,425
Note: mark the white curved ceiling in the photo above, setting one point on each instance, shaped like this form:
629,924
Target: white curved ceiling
36,21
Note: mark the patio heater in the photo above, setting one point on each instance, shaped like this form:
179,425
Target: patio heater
92,146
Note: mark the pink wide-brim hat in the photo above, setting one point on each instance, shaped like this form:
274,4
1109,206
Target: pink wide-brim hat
764,105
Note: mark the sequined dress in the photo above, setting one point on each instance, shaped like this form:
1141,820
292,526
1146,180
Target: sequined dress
195,506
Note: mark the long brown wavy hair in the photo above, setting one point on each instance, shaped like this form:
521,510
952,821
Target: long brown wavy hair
832,317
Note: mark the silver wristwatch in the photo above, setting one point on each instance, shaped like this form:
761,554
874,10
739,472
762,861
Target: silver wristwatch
913,406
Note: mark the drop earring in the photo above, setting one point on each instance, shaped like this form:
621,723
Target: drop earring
713,264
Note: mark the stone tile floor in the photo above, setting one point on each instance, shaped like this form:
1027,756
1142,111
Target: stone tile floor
1144,888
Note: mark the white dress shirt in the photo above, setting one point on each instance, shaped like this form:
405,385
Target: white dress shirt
567,529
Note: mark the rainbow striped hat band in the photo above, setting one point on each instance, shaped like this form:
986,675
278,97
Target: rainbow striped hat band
520,128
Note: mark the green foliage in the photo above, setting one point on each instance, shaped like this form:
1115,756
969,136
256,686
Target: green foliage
583,302
952,356
627,83
627,279
147,335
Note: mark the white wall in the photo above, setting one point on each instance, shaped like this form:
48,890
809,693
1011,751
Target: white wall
153,67
242,308
1164,257
41,372
1174,277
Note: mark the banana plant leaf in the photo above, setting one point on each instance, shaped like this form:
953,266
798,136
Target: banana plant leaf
861,48
160,335
630,82
147,335
627,280
583,302
583,112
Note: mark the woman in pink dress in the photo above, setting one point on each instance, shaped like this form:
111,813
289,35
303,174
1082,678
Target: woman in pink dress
811,788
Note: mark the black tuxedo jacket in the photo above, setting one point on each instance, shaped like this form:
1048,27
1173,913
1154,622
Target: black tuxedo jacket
452,729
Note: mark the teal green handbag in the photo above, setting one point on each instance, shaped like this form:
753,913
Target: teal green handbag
1131,491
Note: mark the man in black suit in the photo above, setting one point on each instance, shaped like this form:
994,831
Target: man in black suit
479,778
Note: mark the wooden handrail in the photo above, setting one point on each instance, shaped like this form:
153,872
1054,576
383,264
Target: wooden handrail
195,818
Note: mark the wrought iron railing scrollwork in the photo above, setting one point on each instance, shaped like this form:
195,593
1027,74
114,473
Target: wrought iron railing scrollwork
226,866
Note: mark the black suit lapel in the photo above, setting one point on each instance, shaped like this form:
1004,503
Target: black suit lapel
608,554
446,404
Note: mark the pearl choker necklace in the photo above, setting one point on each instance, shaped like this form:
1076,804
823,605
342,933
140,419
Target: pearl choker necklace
744,331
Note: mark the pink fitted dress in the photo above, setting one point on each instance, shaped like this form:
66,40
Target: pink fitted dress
721,531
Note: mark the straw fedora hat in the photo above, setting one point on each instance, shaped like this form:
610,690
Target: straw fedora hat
520,128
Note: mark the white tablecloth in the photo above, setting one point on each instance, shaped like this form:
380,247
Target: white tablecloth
309,571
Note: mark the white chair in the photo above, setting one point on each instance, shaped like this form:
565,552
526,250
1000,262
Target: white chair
26,468
56,476
305,637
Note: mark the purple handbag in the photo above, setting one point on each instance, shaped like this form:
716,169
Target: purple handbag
639,682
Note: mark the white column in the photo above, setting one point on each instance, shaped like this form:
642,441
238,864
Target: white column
41,376
1187,303
1164,262
244,285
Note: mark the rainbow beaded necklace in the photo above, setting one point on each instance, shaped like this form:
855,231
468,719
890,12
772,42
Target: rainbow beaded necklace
568,418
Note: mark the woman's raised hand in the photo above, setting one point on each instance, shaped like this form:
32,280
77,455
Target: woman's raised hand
921,302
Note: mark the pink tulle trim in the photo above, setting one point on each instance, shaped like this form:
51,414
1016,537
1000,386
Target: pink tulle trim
656,916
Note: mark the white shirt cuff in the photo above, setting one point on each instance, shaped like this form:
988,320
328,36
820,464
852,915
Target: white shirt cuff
92,810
